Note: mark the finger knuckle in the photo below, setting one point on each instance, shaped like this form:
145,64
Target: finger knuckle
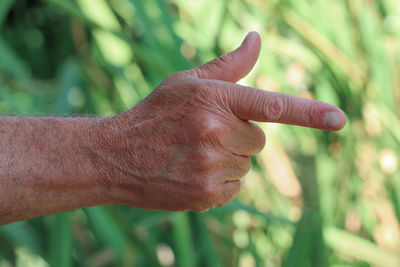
210,130
200,72
275,108
220,62
234,190
245,166
188,73
206,162
212,127
312,114
207,188
205,191
240,167
225,59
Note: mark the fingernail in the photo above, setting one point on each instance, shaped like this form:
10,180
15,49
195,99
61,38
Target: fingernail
333,119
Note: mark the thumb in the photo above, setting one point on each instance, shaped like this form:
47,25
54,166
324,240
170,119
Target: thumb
235,65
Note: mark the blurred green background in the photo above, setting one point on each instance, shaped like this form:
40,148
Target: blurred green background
312,198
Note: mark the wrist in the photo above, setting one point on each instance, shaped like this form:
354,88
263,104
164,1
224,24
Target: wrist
107,142
91,136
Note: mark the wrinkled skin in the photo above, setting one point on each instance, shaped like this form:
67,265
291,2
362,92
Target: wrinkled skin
187,145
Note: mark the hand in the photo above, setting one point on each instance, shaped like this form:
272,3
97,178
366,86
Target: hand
186,146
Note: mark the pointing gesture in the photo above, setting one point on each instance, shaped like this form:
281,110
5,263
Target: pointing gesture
252,104
186,146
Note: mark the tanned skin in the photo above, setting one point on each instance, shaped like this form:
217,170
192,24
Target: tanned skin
185,147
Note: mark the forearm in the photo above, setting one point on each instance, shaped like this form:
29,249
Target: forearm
185,147
46,166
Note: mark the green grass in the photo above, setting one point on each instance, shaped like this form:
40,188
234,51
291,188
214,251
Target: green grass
338,202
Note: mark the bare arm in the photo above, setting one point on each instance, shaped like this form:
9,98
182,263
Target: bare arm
185,147
46,167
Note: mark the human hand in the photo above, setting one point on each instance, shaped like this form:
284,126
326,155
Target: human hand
186,146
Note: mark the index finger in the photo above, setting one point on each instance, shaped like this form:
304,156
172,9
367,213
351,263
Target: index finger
253,104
